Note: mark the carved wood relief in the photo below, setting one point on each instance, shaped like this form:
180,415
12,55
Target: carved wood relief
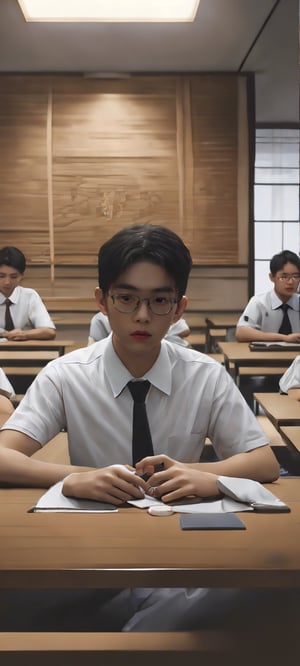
82,158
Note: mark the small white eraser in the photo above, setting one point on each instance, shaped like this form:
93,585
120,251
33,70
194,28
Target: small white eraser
160,510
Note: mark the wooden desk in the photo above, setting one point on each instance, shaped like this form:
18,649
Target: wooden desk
227,320
217,327
131,548
238,355
196,340
25,356
61,346
22,360
280,409
291,435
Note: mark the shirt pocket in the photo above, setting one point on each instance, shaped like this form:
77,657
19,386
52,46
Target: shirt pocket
185,448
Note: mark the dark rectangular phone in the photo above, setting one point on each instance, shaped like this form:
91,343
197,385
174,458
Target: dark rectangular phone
211,521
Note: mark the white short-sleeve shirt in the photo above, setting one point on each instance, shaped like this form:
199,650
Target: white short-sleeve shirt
27,310
99,327
263,312
291,377
5,385
191,397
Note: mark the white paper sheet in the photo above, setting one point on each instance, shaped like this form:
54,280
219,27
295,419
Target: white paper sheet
54,501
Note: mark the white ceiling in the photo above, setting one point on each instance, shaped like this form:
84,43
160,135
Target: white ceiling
259,36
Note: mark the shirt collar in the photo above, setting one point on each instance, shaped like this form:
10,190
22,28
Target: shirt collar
118,375
13,297
276,302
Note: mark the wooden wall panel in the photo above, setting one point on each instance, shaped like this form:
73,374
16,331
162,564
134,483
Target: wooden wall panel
113,163
81,158
23,173
215,134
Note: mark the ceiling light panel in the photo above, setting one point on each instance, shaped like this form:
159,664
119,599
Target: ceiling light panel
109,10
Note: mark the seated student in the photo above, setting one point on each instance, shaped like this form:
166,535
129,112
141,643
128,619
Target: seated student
274,315
23,315
290,380
143,273
100,328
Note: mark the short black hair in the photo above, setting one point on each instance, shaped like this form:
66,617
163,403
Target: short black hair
279,260
144,242
11,256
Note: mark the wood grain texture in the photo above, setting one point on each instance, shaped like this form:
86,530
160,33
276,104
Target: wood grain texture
82,158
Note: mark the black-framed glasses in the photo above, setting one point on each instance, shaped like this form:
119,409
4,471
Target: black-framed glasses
128,303
286,277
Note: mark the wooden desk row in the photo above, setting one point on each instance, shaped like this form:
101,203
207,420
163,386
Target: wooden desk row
217,329
61,346
238,356
131,548
23,360
284,413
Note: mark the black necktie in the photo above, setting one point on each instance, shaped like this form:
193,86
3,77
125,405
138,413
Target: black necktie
9,324
285,327
141,435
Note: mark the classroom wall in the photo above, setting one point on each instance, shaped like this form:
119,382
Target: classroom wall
81,158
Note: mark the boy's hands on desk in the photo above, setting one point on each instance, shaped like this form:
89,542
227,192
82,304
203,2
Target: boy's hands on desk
115,484
16,334
176,480
292,337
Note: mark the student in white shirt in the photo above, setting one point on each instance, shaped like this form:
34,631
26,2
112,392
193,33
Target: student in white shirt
263,316
143,273
29,317
264,319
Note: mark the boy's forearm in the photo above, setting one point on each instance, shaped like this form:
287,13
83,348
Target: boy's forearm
249,334
259,464
17,469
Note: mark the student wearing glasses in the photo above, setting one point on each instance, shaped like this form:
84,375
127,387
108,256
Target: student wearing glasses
143,274
274,315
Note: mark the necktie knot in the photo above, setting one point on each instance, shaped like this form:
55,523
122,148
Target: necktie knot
284,307
139,390
8,301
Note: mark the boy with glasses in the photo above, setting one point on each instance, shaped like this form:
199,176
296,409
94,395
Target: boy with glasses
143,274
274,315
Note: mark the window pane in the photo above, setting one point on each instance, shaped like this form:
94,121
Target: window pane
276,202
268,239
291,236
276,175
277,148
276,199
261,277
